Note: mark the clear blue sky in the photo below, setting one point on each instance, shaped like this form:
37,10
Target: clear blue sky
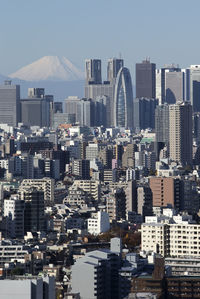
166,30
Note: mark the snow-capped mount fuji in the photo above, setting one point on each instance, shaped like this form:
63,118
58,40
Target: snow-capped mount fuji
49,68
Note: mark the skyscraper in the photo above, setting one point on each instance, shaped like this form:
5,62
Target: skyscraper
172,84
162,123
83,109
123,100
114,65
102,111
9,104
180,132
36,92
145,79
195,87
144,113
95,89
37,110
93,71
33,112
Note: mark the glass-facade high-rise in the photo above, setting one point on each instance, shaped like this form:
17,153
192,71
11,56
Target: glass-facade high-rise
93,71
146,79
9,104
114,65
123,100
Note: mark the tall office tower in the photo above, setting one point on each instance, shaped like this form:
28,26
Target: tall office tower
107,88
180,132
172,84
58,107
34,210
195,87
162,123
36,92
145,79
82,108
144,113
94,91
14,213
196,127
114,65
9,104
102,111
159,90
37,110
123,100
49,110
93,71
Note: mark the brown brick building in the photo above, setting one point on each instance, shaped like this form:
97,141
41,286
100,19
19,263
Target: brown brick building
165,191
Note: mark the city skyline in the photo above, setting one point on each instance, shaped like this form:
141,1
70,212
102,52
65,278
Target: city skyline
99,149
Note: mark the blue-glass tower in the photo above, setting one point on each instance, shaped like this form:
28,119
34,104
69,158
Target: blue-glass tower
123,100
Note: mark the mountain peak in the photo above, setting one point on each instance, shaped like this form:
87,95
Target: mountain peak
50,68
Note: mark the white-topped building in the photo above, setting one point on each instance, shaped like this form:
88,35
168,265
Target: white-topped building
99,223
171,236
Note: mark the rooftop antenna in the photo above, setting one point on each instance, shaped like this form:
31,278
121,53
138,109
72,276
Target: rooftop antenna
120,55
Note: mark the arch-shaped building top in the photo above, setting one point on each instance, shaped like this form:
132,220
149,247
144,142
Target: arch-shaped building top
123,99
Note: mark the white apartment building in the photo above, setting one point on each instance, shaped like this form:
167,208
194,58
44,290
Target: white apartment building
89,186
44,184
172,237
13,253
99,223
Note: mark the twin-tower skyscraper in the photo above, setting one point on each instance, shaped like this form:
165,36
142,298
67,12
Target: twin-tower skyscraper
117,88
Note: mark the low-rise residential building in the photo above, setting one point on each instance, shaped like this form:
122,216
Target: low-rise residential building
98,223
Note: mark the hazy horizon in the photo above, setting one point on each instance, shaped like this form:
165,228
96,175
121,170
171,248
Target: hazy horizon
164,31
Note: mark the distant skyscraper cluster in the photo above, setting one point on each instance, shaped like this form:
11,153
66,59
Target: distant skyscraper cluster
117,89
110,103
